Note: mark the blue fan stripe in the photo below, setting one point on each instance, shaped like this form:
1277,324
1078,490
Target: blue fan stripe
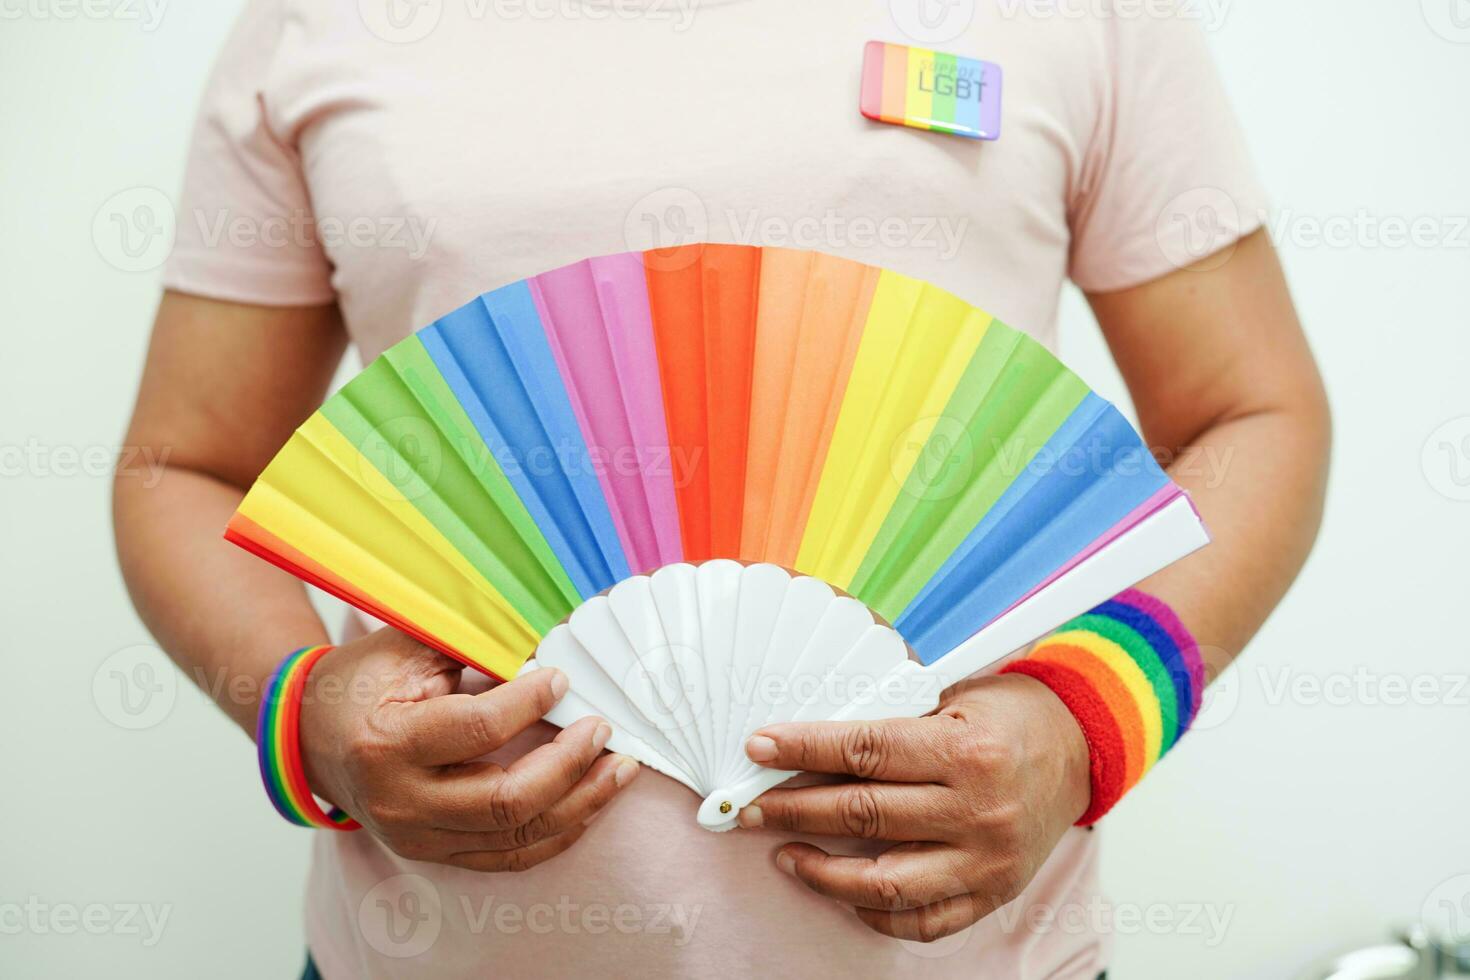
518,319
1091,474
521,412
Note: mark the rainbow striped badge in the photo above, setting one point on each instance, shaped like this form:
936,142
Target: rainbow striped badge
931,90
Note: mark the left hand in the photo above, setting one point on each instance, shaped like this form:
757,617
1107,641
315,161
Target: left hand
978,794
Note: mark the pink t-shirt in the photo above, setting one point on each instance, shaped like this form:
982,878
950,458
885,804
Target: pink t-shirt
400,158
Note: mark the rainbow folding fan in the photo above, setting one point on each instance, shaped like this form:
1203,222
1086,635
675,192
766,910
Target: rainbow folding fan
704,482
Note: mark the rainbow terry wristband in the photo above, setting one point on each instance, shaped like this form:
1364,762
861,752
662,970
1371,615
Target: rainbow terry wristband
1132,676
278,745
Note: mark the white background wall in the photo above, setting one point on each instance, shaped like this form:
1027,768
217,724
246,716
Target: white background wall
1306,820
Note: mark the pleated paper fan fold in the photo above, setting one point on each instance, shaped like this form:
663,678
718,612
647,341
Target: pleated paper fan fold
497,473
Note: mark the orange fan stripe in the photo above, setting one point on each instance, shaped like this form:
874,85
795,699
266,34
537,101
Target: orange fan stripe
674,299
839,293
778,319
730,278
808,329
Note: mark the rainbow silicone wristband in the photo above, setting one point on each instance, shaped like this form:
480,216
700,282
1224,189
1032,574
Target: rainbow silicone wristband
278,745
1132,676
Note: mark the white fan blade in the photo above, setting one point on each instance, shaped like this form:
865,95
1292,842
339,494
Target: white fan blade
676,599
597,631
718,586
803,608
814,671
762,589
633,607
572,709
596,688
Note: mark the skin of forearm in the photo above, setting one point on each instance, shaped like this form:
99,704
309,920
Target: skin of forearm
1229,396
1258,482
226,617
224,385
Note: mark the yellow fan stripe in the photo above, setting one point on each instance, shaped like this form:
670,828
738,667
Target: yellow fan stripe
914,350
320,484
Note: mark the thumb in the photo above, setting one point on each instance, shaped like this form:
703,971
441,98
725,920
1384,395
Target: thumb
464,727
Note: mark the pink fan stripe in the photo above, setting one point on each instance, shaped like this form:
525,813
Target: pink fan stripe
582,342
622,292
563,367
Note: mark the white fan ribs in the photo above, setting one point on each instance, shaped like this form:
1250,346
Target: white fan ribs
687,662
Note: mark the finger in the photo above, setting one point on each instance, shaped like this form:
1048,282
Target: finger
608,777
898,750
868,810
585,801
460,727
906,877
520,859
482,796
930,922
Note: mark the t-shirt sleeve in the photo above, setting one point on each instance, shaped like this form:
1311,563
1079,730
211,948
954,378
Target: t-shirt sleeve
245,227
1166,180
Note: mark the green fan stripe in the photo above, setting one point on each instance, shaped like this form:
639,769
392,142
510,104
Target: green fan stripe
1012,398
944,467
397,412
415,365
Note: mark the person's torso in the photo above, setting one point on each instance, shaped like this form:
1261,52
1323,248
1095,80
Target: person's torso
498,146
502,145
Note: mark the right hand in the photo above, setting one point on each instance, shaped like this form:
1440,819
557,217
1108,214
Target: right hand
387,736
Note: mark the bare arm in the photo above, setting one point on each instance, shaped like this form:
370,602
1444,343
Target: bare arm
224,387
978,795
1226,387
